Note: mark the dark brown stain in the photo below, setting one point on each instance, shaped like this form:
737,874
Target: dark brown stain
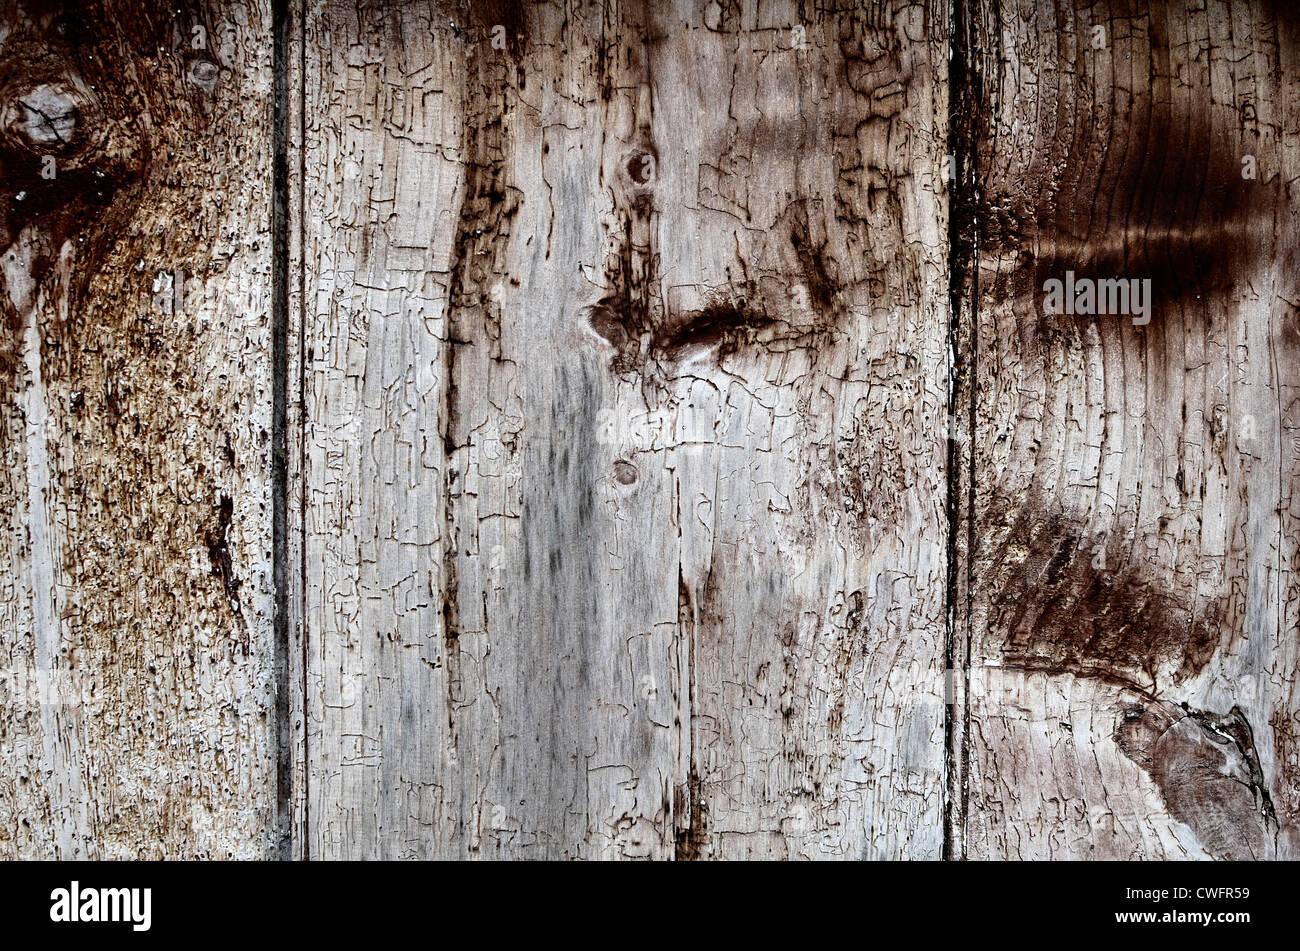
818,265
633,317
1060,613
724,325
1143,182
1208,772
625,318
72,138
510,14
112,134
218,542
490,202
650,335
1144,188
649,339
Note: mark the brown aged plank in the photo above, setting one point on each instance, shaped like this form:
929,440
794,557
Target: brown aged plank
1131,580
137,709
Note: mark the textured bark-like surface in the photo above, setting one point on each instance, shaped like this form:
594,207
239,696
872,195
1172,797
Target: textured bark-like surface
1132,607
622,470
136,712
624,518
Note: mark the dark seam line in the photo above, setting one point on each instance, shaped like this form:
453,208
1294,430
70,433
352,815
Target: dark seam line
962,280
305,825
279,428
974,200
952,482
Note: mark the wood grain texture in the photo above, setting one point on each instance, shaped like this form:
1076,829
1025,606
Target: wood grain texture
136,716
666,479
623,459
1132,602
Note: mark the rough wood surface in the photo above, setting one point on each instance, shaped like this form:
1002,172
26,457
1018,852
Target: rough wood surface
136,714
666,478
1132,587
624,404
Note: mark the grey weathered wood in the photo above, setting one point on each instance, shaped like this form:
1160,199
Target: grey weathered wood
623,462
136,712
1131,578
623,515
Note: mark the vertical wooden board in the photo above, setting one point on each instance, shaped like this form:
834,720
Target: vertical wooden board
622,470
381,173
797,351
1132,579
137,709
463,688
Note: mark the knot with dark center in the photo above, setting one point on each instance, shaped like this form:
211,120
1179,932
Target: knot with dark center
46,119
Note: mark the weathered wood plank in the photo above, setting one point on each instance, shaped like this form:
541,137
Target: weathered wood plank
622,473
381,178
1132,577
137,713
809,466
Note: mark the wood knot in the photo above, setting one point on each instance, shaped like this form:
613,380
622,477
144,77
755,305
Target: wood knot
624,472
48,118
640,166
204,73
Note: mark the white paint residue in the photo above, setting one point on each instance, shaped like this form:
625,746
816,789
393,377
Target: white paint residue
45,627
21,292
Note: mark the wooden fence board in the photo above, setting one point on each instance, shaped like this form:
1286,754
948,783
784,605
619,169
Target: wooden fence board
625,389
137,715
1133,605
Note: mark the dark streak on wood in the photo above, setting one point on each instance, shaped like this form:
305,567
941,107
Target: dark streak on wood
1063,614
482,234
218,543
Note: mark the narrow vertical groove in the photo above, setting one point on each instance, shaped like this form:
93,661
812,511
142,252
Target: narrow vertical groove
304,827
953,482
972,540
963,290
279,428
